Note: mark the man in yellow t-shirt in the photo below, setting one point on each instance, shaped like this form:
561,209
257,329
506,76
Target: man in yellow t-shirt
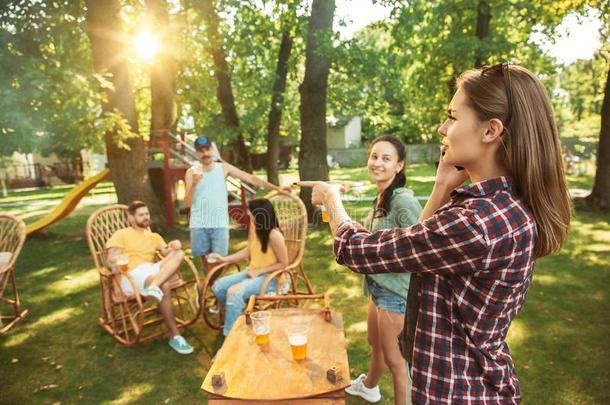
139,244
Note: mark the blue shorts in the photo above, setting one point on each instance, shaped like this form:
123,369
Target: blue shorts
208,240
385,299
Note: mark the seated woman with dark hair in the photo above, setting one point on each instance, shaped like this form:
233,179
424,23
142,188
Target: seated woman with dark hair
266,251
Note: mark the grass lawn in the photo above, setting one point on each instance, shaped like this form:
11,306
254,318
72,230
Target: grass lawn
559,342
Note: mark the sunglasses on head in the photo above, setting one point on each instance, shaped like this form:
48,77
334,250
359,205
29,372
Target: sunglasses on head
503,68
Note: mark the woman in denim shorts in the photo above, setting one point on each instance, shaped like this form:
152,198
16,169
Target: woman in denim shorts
394,206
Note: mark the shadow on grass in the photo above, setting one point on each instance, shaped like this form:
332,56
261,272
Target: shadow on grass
559,341
60,342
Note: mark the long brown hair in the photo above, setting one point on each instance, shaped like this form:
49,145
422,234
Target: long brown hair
265,219
383,201
530,150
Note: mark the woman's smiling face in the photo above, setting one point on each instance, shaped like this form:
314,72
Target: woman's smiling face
383,163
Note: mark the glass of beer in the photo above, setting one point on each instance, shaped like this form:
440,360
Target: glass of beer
338,187
122,262
261,325
297,337
325,217
197,169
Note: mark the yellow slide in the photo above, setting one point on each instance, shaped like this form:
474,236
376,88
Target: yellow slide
69,202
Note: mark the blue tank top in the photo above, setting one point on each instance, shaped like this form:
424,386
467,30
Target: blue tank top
210,206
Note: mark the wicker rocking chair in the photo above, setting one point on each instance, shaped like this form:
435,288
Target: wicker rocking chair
292,280
12,237
131,319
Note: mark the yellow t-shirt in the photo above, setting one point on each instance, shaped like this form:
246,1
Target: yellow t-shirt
258,259
139,245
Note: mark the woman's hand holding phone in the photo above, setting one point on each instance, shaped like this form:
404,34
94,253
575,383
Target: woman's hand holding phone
449,176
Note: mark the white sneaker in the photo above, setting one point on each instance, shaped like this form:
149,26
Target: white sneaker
153,292
359,389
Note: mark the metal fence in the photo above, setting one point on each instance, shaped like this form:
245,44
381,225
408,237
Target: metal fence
38,175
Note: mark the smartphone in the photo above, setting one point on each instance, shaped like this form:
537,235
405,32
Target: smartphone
460,168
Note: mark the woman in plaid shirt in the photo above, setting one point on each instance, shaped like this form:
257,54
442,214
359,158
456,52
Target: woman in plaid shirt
473,250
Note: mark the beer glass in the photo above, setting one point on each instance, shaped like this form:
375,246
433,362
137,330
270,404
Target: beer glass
197,169
122,262
325,217
338,187
261,325
297,337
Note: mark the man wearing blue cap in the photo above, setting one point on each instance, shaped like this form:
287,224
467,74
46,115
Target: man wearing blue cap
207,196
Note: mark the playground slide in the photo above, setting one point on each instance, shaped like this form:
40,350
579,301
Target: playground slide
69,202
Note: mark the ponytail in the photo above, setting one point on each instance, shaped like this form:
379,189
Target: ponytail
382,201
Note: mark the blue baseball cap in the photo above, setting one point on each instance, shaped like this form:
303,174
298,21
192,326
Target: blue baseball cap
202,142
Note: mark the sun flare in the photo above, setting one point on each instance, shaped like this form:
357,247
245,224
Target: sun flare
147,45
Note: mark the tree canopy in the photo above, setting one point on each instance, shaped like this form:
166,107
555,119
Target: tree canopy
49,99
397,73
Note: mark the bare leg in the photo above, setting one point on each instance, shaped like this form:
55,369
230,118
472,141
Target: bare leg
204,265
389,325
167,312
169,265
377,366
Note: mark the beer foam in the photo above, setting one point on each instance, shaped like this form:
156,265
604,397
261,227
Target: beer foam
297,340
261,329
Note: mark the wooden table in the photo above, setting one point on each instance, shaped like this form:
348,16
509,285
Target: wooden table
252,374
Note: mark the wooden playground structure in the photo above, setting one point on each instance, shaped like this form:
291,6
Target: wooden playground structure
169,157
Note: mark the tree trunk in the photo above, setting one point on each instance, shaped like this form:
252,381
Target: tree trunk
312,154
224,91
129,166
275,114
600,196
483,19
163,72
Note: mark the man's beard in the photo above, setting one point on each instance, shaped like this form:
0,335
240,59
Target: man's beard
143,224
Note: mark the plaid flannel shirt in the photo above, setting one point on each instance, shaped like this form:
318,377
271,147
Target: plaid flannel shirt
474,259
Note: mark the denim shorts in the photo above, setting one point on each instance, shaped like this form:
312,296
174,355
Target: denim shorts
208,240
385,299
